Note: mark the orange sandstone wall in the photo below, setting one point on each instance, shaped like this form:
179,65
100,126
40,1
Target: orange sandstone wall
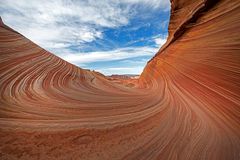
199,71
187,106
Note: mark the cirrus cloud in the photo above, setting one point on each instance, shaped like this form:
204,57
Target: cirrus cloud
64,27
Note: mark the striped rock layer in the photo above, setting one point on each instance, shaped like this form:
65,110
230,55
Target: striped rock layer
185,105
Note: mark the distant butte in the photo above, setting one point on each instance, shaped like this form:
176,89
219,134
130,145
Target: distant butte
184,106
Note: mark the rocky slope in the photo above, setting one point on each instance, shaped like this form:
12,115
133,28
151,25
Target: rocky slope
186,104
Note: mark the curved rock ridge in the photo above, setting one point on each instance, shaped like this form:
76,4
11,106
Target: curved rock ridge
1,22
184,106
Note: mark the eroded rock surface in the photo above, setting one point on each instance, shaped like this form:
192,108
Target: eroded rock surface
185,105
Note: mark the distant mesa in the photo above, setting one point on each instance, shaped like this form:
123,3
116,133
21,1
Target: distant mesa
124,76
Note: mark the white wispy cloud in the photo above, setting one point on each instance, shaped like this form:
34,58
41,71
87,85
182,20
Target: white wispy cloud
52,23
57,25
117,54
121,70
160,40
156,4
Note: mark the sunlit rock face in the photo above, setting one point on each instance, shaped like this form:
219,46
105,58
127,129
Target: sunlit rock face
185,105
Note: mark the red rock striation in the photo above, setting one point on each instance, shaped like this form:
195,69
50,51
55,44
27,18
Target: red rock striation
186,105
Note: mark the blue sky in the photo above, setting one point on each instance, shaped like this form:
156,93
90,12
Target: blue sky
110,36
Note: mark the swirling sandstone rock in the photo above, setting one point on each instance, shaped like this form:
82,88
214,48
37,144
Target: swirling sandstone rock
186,104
